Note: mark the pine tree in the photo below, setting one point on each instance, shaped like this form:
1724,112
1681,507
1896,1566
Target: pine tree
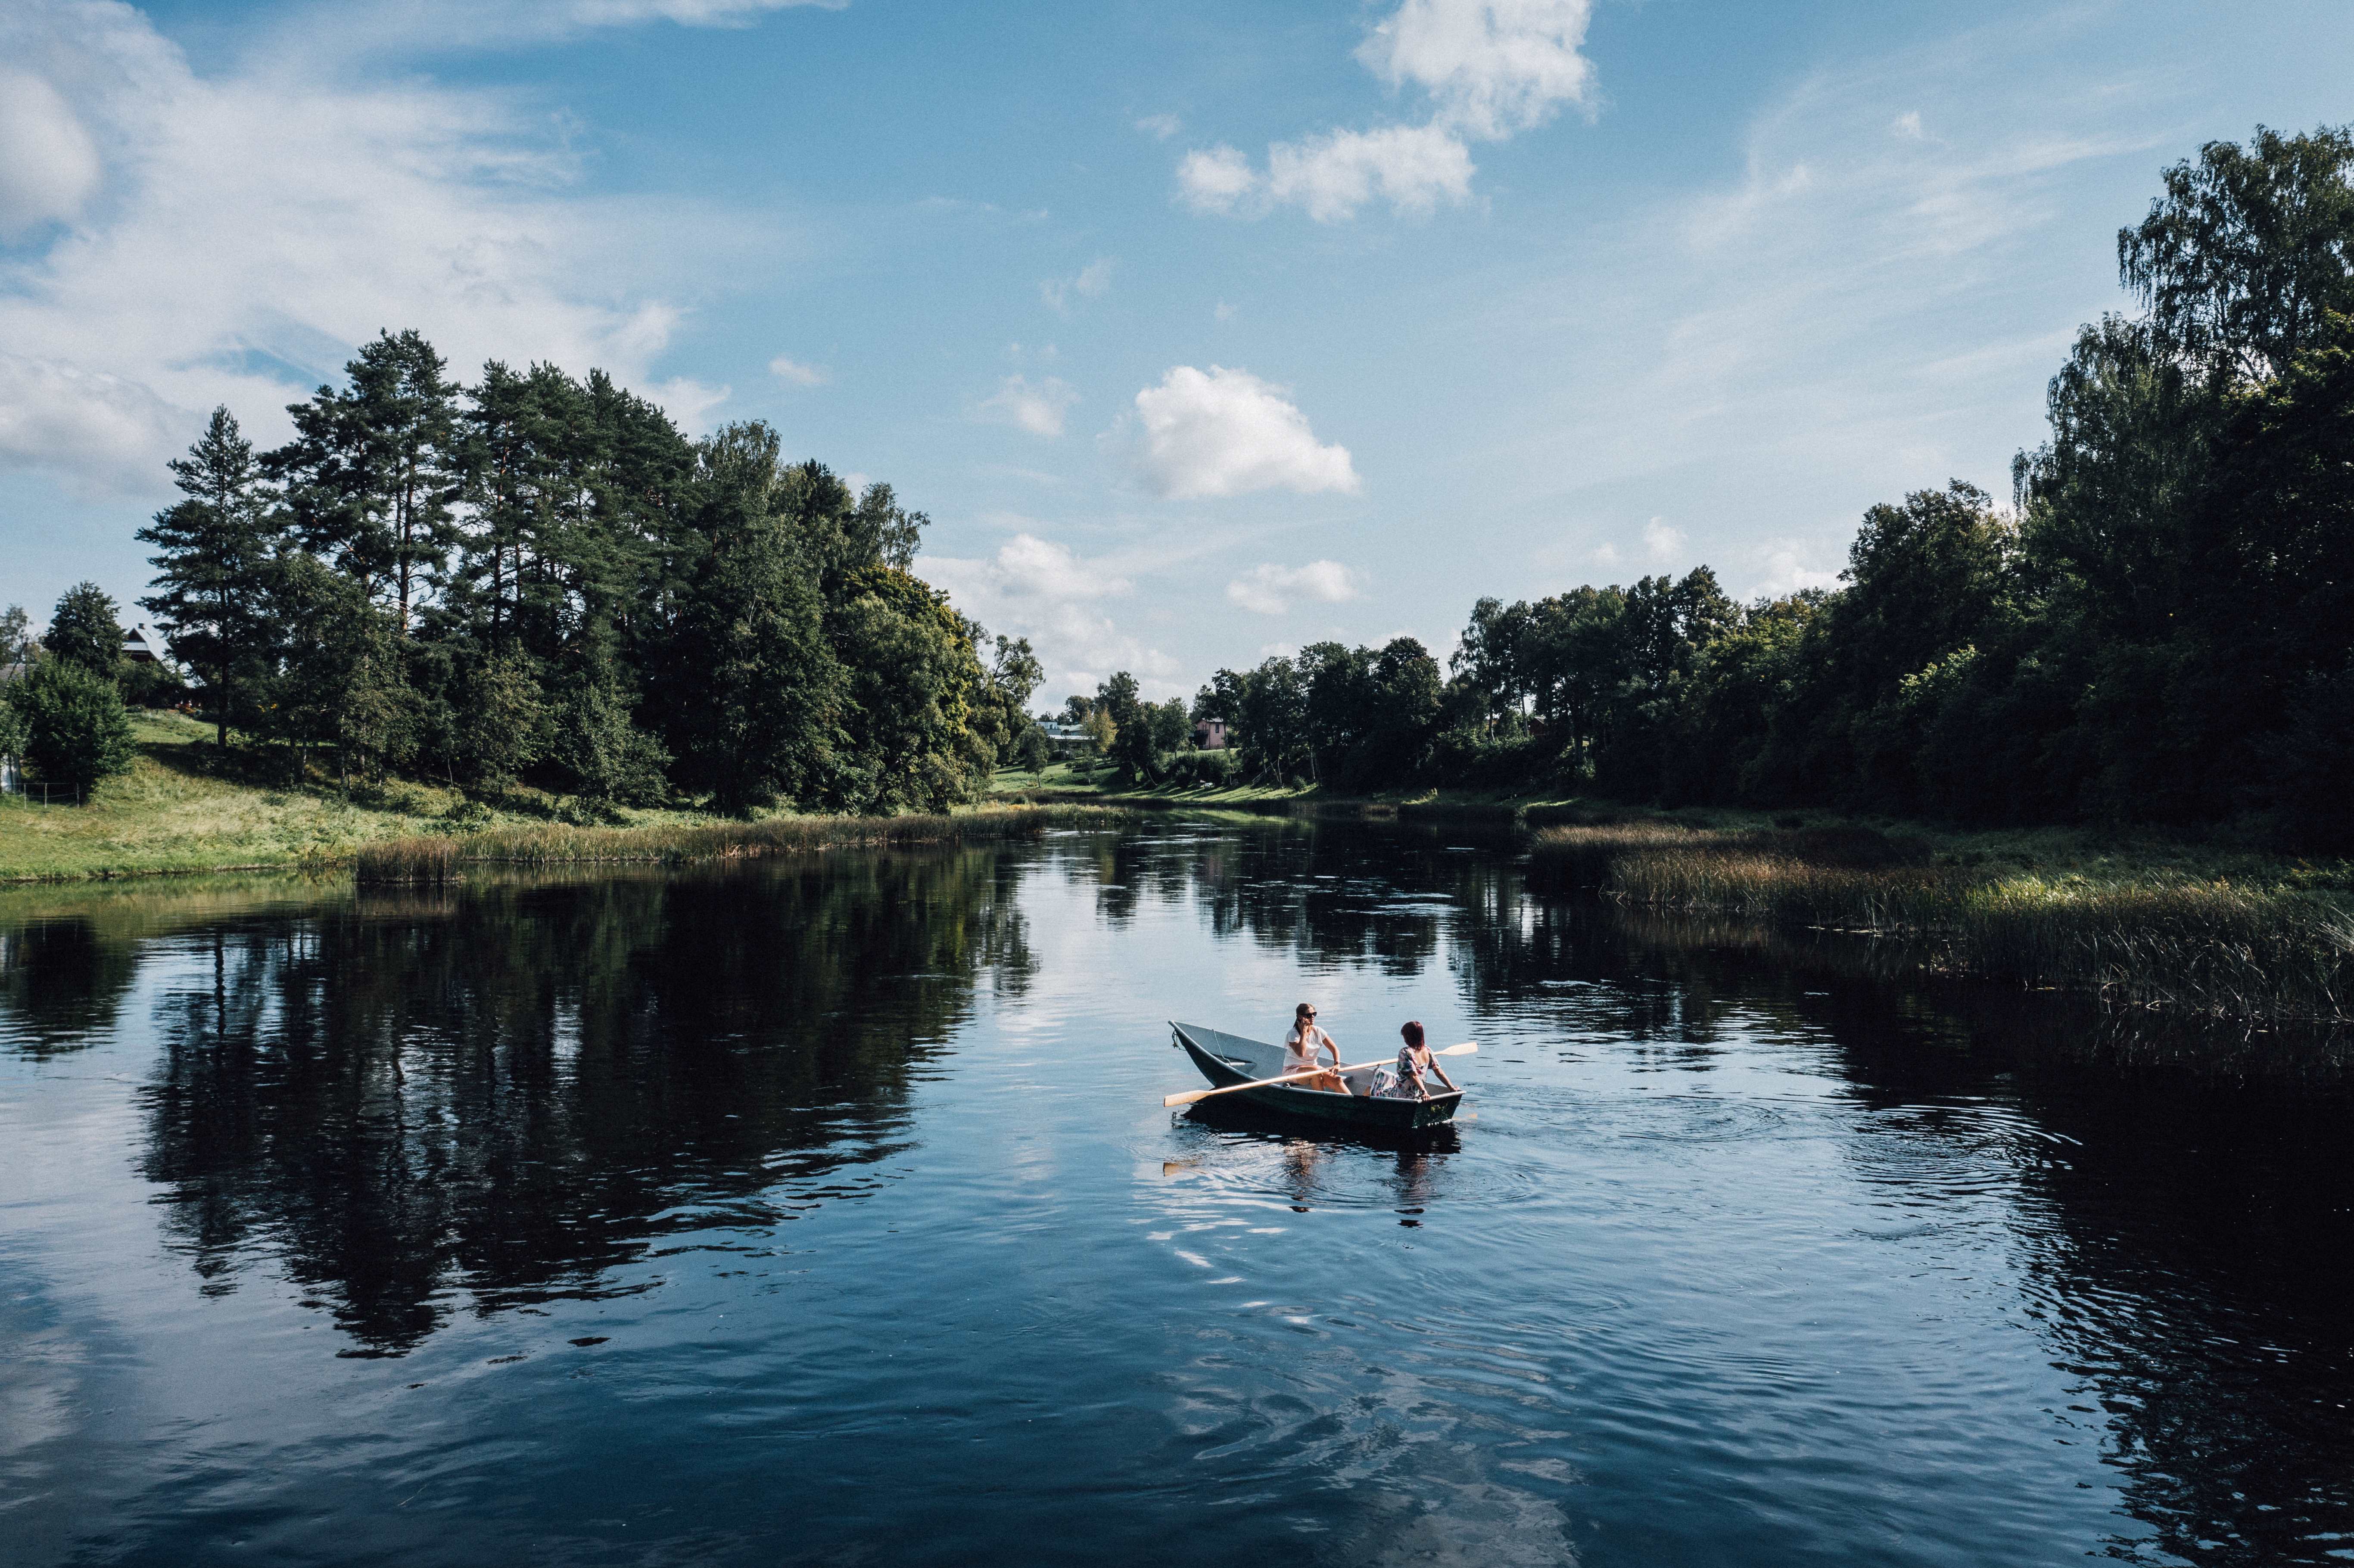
212,596
372,472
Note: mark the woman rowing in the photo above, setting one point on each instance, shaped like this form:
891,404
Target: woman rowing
1405,1080
1301,1048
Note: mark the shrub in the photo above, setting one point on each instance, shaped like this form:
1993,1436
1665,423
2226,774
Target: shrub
1194,770
76,731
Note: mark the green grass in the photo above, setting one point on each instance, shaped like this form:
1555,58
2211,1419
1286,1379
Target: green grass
182,807
436,858
2178,927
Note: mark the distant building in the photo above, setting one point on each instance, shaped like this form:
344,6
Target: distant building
1210,735
135,648
1067,739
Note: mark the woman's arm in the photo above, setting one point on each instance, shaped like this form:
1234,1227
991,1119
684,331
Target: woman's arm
1444,1078
1332,1045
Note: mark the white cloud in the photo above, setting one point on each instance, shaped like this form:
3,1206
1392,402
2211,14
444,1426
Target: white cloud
1271,589
1780,569
1036,588
1222,311
1413,168
785,368
1159,127
1907,125
1227,432
1036,408
1494,66
1661,542
1490,68
1216,179
1091,282
48,165
246,229
471,24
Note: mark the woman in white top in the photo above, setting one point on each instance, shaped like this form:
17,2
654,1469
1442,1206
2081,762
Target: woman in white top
1301,1045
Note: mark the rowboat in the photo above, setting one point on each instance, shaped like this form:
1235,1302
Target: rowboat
1226,1059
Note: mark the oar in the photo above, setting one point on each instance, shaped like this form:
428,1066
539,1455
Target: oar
1466,1049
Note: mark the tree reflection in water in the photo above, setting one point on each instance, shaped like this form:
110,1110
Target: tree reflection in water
420,1106
2180,1192
510,1090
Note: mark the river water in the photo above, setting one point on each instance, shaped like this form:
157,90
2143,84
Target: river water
825,1211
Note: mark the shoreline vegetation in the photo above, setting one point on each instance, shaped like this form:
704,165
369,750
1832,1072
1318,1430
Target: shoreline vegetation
2175,925
431,858
183,808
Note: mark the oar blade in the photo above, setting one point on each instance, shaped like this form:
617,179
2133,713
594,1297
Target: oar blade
1466,1049
1187,1099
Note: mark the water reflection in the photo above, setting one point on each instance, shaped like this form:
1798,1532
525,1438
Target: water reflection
481,1102
509,1092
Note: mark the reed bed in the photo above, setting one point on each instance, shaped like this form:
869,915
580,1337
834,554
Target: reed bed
2165,941
433,859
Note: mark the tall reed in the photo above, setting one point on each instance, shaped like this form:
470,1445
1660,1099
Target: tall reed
430,859
2158,940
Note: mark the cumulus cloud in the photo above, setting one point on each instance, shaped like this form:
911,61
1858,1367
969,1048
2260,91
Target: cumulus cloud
1091,282
1661,542
231,237
48,164
1489,68
1412,167
1227,432
1780,567
1271,589
785,368
1037,587
1159,127
1035,406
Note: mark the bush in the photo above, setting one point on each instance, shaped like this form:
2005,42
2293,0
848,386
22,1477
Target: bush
1195,769
76,731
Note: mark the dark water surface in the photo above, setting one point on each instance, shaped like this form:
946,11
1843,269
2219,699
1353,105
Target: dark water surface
826,1212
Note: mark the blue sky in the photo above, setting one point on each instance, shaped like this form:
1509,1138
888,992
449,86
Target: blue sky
1200,332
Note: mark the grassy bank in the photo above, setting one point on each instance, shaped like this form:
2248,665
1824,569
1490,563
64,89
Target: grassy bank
435,857
183,808
2183,928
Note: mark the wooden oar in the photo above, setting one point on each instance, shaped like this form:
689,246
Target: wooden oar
1466,1049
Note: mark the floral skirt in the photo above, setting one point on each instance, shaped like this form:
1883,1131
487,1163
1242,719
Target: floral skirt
1389,1083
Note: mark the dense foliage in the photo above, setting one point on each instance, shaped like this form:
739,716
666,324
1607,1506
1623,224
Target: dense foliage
541,578
2160,628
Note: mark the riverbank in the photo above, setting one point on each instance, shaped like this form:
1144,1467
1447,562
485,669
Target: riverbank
185,808
2142,920
2239,935
431,858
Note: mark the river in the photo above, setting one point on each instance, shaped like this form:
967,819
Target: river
824,1211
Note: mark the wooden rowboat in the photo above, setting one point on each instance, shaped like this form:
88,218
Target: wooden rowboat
1230,1059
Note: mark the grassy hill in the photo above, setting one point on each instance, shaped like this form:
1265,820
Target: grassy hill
183,807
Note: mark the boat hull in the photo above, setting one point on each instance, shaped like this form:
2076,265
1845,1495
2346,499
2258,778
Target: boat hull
1225,1059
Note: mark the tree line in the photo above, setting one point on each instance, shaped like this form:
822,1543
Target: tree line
2159,627
540,579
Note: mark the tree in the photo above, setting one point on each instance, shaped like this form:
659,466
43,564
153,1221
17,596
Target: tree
914,682
372,471
1030,752
213,568
74,729
341,680
16,636
84,633
2248,251
751,695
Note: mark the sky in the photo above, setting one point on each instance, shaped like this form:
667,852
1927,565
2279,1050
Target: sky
1199,332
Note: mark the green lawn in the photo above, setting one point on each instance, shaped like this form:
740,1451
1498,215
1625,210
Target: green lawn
182,807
